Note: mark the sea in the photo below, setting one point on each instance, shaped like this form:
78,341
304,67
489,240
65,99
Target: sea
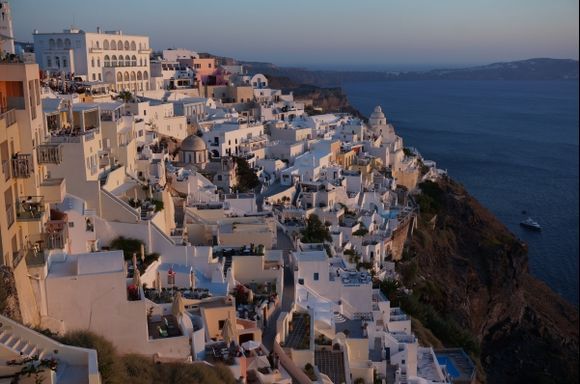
512,144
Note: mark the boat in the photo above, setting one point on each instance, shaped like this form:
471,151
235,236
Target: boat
531,224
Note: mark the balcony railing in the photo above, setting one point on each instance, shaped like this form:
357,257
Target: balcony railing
9,117
22,165
17,257
6,169
49,153
56,234
29,208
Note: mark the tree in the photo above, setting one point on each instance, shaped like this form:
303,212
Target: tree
315,231
247,179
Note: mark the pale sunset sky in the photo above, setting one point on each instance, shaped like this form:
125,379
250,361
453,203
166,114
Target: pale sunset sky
388,34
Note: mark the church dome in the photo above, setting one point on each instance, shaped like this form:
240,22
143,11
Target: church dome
193,143
378,117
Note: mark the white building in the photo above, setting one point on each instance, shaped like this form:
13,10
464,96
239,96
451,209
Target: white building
111,57
6,33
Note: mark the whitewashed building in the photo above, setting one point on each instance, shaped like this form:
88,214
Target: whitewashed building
111,57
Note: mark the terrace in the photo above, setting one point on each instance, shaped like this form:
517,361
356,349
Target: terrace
30,208
163,326
299,332
457,364
85,122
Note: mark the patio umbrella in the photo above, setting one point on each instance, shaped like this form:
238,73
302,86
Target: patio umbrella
158,282
137,278
228,331
250,345
178,306
259,362
191,279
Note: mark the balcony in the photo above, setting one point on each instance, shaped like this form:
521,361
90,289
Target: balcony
17,257
22,166
9,117
56,234
53,190
29,208
96,50
49,154
6,169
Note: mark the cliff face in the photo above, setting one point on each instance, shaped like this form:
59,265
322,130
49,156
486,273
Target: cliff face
472,270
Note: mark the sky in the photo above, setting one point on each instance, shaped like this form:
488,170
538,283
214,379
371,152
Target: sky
333,34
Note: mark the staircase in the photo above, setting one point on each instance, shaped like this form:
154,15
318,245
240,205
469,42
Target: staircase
75,365
21,347
227,264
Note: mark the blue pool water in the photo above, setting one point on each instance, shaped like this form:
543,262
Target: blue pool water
448,363
513,144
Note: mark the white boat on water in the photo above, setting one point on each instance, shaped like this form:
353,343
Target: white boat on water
531,224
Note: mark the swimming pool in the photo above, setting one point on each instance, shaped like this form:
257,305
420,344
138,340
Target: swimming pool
448,363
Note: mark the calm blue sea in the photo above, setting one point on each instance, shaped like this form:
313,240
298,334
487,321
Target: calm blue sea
513,144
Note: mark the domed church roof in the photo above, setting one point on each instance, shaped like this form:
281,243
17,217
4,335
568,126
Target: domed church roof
193,143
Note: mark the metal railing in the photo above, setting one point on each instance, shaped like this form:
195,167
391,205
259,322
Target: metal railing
49,153
22,165
9,116
29,208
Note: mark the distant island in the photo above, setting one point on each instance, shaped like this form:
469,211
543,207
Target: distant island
531,69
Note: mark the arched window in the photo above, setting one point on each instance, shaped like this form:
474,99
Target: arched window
51,44
113,45
59,43
126,76
139,75
121,62
119,77
127,61
98,45
106,44
120,45
127,45
133,77
98,62
145,75
107,61
92,62
114,61
67,43
133,46
134,61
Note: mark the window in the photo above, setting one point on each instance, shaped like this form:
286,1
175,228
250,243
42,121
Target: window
64,63
100,79
99,62
221,324
315,276
301,281
93,62
48,61
94,77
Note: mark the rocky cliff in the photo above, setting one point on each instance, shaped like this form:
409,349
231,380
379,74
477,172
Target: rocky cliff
471,286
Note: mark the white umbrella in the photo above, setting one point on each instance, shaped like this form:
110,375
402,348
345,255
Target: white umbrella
178,306
228,331
191,279
250,345
137,278
158,282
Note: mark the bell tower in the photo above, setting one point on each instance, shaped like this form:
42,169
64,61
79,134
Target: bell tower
6,33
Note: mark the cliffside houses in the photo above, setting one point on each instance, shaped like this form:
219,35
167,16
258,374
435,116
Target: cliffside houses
126,215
